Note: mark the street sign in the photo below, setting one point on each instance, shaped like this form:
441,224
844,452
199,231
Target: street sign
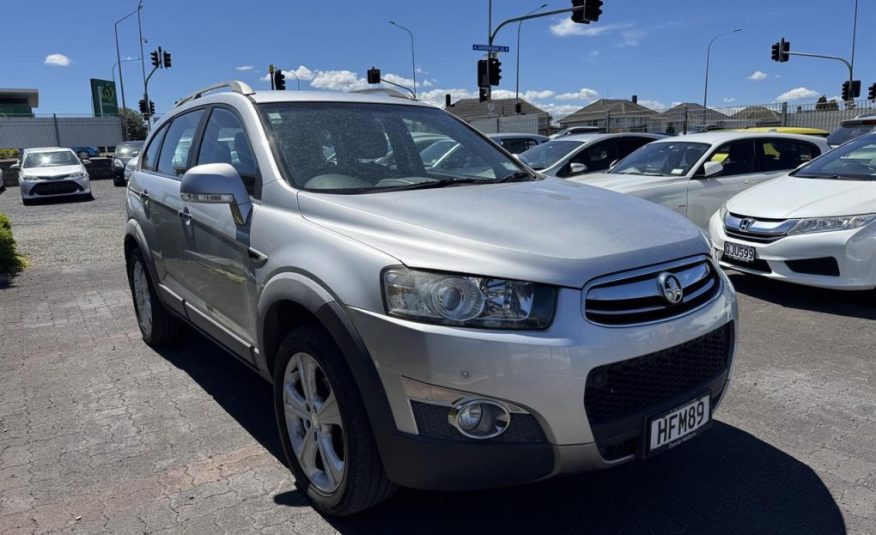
103,97
490,48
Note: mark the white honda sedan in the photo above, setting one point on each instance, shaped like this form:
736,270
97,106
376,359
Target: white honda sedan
813,226
695,174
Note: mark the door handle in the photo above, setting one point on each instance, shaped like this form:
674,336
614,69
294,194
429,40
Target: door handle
144,196
256,257
185,216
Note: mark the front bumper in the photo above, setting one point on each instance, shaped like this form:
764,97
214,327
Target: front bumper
44,189
543,373
850,256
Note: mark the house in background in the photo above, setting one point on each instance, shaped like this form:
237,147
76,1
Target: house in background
614,115
690,116
500,115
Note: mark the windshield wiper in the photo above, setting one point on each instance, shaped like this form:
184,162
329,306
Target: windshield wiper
517,176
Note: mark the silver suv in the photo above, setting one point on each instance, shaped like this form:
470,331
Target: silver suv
467,326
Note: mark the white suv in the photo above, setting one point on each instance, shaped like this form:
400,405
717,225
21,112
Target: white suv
462,326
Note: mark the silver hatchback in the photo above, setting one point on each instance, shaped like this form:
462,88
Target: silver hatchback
455,326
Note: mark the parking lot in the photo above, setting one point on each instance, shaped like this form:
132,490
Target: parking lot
100,433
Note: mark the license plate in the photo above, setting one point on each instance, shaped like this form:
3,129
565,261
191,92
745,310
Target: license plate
678,425
737,251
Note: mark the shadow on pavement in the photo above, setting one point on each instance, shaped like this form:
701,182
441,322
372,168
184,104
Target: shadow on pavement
726,481
858,304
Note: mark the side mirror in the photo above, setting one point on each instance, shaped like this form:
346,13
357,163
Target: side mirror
217,183
711,169
15,166
577,168
85,161
130,167
612,164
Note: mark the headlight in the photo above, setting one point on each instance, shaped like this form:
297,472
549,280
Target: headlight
828,224
118,163
80,174
467,301
722,213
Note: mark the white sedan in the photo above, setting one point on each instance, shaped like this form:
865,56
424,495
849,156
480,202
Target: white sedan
814,226
696,174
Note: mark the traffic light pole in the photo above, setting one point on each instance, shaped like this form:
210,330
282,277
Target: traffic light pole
821,56
146,94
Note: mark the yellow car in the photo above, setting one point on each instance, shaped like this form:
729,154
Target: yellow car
787,130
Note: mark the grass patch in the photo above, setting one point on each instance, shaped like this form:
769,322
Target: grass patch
10,261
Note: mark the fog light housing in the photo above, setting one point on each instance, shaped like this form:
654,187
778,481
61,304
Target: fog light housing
480,419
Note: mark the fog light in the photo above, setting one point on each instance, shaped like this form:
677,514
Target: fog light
480,419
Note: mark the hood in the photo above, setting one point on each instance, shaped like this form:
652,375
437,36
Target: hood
549,231
789,197
51,172
624,183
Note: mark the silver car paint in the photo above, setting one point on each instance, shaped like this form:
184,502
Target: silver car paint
323,249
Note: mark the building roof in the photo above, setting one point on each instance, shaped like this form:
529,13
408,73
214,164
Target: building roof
598,110
756,113
31,95
470,108
702,114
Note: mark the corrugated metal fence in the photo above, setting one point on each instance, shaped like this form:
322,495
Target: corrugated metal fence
59,131
525,124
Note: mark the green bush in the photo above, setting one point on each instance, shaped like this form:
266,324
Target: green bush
8,153
10,260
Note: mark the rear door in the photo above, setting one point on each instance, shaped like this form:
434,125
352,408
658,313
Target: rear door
706,195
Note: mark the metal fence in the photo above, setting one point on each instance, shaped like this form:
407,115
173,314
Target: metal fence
681,119
59,130
525,124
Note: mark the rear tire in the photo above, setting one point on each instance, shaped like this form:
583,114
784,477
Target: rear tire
157,325
329,411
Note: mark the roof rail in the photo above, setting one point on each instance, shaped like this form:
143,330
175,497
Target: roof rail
235,86
385,90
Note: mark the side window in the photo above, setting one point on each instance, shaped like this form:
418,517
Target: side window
597,157
632,143
515,145
737,157
150,155
174,158
783,154
225,141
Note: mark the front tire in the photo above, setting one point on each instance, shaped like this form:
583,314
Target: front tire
323,426
157,325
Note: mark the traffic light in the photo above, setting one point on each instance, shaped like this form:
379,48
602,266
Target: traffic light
448,103
156,61
373,75
578,15
484,93
846,94
781,51
495,71
518,108
483,77
592,10
279,79
166,59
776,52
143,109
151,108
871,92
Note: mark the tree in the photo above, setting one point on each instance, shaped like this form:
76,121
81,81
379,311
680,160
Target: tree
134,125
823,104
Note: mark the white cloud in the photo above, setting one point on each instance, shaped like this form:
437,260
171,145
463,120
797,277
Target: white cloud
265,78
652,104
632,37
427,83
584,94
397,79
558,111
728,100
303,73
798,93
244,68
538,94
676,103
566,28
436,96
57,60
340,80
758,75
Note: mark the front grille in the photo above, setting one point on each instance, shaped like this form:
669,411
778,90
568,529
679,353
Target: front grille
55,188
626,388
826,266
757,230
432,422
636,297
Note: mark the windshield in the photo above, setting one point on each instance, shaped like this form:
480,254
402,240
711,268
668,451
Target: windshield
854,161
547,154
846,133
51,159
128,150
672,158
356,148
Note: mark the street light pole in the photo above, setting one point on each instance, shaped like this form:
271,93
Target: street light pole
413,58
119,56
118,65
708,57
854,39
519,26
143,57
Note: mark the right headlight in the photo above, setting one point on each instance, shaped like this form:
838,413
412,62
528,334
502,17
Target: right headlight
827,224
467,301
118,163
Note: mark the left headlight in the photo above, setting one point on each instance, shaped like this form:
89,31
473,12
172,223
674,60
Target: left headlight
118,163
80,174
828,224
467,301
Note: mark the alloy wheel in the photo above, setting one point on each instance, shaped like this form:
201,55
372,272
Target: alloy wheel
142,298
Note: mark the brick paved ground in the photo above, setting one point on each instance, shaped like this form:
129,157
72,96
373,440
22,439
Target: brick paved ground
101,434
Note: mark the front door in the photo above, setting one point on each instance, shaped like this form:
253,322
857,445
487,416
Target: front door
706,195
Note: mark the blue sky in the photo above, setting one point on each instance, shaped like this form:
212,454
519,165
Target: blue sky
653,49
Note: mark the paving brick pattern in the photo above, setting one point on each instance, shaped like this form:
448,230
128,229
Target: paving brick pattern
101,434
